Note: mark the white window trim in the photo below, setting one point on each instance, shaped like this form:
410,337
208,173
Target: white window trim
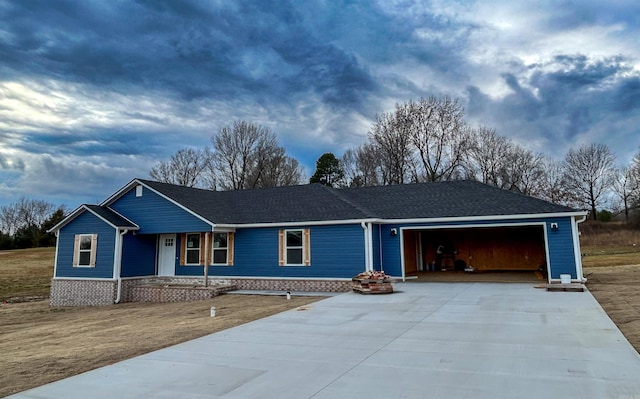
186,248
92,251
213,250
286,248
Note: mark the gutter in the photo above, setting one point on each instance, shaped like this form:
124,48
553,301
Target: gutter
119,265
578,255
368,245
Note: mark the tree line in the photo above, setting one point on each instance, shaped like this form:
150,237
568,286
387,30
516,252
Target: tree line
24,223
419,141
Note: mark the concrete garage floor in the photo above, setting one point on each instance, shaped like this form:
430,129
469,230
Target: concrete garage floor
429,340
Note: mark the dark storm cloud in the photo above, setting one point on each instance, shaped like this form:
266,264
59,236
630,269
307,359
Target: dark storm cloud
563,98
195,49
96,91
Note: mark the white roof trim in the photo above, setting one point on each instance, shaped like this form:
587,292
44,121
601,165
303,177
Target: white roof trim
407,221
484,218
297,224
83,208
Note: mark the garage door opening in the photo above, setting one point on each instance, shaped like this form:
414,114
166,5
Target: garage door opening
475,250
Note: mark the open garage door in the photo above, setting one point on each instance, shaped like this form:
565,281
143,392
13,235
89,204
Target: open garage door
511,248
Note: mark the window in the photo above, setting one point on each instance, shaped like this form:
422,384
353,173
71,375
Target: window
84,253
295,247
138,191
192,249
221,248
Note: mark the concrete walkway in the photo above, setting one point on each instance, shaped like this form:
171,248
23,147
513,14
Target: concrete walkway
430,340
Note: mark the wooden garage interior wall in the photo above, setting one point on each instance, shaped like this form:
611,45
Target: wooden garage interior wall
485,248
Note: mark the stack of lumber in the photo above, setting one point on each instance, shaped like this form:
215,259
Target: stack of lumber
372,283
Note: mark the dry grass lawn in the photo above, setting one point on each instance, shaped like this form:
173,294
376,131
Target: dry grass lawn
25,273
39,344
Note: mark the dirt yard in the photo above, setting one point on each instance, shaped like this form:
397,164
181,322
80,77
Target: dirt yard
40,344
617,290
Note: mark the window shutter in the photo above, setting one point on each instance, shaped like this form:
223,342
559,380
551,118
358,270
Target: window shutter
76,249
230,249
306,247
94,250
281,247
208,248
183,248
202,249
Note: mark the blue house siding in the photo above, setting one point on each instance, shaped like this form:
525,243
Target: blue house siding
562,257
560,243
154,214
390,250
86,223
138,255
336,252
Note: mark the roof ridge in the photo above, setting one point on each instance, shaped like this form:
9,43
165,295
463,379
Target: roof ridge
336,192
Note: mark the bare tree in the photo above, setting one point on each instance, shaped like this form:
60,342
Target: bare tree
236,152
25,219
553,187
275,169
391,138
635,173
487,155
247,155
187,167
588,174
363,166
439,134
626,186
522,171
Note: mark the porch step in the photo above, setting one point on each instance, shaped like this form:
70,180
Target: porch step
572,287
177,292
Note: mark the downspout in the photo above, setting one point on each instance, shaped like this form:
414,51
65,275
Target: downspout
380,245
366,246
578,255
55,260
119,264
370,246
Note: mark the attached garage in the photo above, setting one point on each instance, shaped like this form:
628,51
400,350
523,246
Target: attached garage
479,248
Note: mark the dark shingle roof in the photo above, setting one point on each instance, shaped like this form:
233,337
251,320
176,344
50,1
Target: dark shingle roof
447,199
315,202
111,216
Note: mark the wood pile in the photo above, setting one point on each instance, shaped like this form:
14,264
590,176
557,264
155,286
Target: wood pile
373,282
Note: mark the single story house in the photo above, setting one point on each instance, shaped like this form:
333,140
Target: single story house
307,237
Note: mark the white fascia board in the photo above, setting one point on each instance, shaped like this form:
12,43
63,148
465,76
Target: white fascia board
480,218
297,224
120,192
135,182
407,221
67,219
82,208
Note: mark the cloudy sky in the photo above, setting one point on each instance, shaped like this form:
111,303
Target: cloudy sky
94,93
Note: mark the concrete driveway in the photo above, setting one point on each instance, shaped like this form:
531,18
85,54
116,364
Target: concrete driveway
430,340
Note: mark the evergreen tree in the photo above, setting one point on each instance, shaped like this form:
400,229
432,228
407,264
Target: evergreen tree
328,171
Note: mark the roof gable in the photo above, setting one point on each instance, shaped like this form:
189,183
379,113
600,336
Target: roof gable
104,213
